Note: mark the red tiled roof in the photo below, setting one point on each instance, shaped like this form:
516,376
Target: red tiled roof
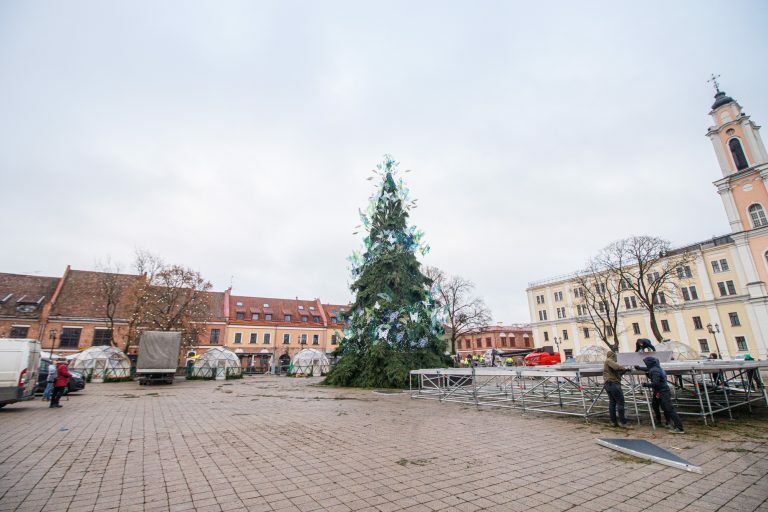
283,306
335,311
83,295
28,288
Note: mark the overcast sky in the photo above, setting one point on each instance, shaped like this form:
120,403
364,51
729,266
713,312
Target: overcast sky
235,137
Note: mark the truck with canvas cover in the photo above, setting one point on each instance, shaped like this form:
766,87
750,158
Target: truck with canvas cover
19,363
158,356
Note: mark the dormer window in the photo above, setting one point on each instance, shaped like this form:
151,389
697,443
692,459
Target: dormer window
304,318
254,316
286,318
311,308
316,319
267,316
239,304
737,152
266,305
334,319
240,315
301,307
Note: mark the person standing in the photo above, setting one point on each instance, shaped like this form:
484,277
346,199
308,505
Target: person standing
60,384
49,380
612,371
661,391
644,345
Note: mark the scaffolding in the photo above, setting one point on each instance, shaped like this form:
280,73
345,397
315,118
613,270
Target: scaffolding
699,388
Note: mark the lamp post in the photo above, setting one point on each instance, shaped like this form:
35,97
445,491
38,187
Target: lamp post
713,330
52,336
557,343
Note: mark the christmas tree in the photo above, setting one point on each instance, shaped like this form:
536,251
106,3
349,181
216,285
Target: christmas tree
393,326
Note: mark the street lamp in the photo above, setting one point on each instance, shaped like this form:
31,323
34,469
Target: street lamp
52,336
557,343
713,330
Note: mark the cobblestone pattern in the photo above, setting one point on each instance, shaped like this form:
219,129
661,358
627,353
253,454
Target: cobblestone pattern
267,443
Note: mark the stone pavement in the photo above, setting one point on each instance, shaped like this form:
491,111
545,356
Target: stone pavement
267,443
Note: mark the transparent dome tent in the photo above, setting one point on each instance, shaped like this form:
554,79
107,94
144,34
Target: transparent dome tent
592,354
680,351
217,363
101,362
310,362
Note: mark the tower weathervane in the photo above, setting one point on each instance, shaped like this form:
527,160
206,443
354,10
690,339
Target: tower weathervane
715,82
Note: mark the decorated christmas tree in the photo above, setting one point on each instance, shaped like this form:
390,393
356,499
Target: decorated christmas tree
393,325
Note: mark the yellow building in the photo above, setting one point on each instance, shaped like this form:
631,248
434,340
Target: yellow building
727,283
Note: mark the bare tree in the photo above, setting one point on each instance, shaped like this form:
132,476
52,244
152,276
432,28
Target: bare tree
113,289
651,270
598,297
465,313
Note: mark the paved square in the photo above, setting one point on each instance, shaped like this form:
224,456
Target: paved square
267,443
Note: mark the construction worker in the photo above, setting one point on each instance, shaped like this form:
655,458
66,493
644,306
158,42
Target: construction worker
644,345
510,361
612,383
660,389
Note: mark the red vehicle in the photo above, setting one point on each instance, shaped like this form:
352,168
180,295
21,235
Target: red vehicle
542,359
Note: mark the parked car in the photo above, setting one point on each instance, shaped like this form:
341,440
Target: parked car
76,382
542,358
18,369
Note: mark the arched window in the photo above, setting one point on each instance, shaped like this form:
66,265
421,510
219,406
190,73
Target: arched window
758,216
738,154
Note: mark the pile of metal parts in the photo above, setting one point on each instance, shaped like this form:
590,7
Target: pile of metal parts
699,388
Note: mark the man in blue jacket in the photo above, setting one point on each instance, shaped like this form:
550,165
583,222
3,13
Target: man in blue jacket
661,391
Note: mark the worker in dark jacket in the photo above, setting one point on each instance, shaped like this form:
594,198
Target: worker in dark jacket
612,383
60,384
661,391
644,345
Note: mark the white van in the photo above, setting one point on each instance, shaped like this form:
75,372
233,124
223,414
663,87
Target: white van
19,364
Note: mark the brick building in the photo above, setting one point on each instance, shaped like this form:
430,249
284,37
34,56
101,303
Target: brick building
501,337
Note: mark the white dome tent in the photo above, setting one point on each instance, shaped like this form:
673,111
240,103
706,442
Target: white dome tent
592,354
310,362
680,351
217,363
102,362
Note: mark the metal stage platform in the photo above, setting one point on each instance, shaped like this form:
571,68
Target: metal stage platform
699,388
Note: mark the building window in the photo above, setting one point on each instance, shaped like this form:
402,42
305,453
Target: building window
70,337
334,320
254,316
726,288
697,323
286,339
689,293
630,302
734,317
267,316
215,333
542,315
684,272
254,338
286,318
624,284
586,332
665,325
238,338
636,328
659,298
578,292
609,331
304,318
568,353
704,345
240,315
546,336
19,332
652,277
558,296
488,342
741,344
565,334
737,152
316,319
333,339
267,337
719,266
315,339
757,215
303,339
539,299
503,341
102,337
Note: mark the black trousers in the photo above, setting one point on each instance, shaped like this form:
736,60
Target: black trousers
615,402
665,400
56,396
